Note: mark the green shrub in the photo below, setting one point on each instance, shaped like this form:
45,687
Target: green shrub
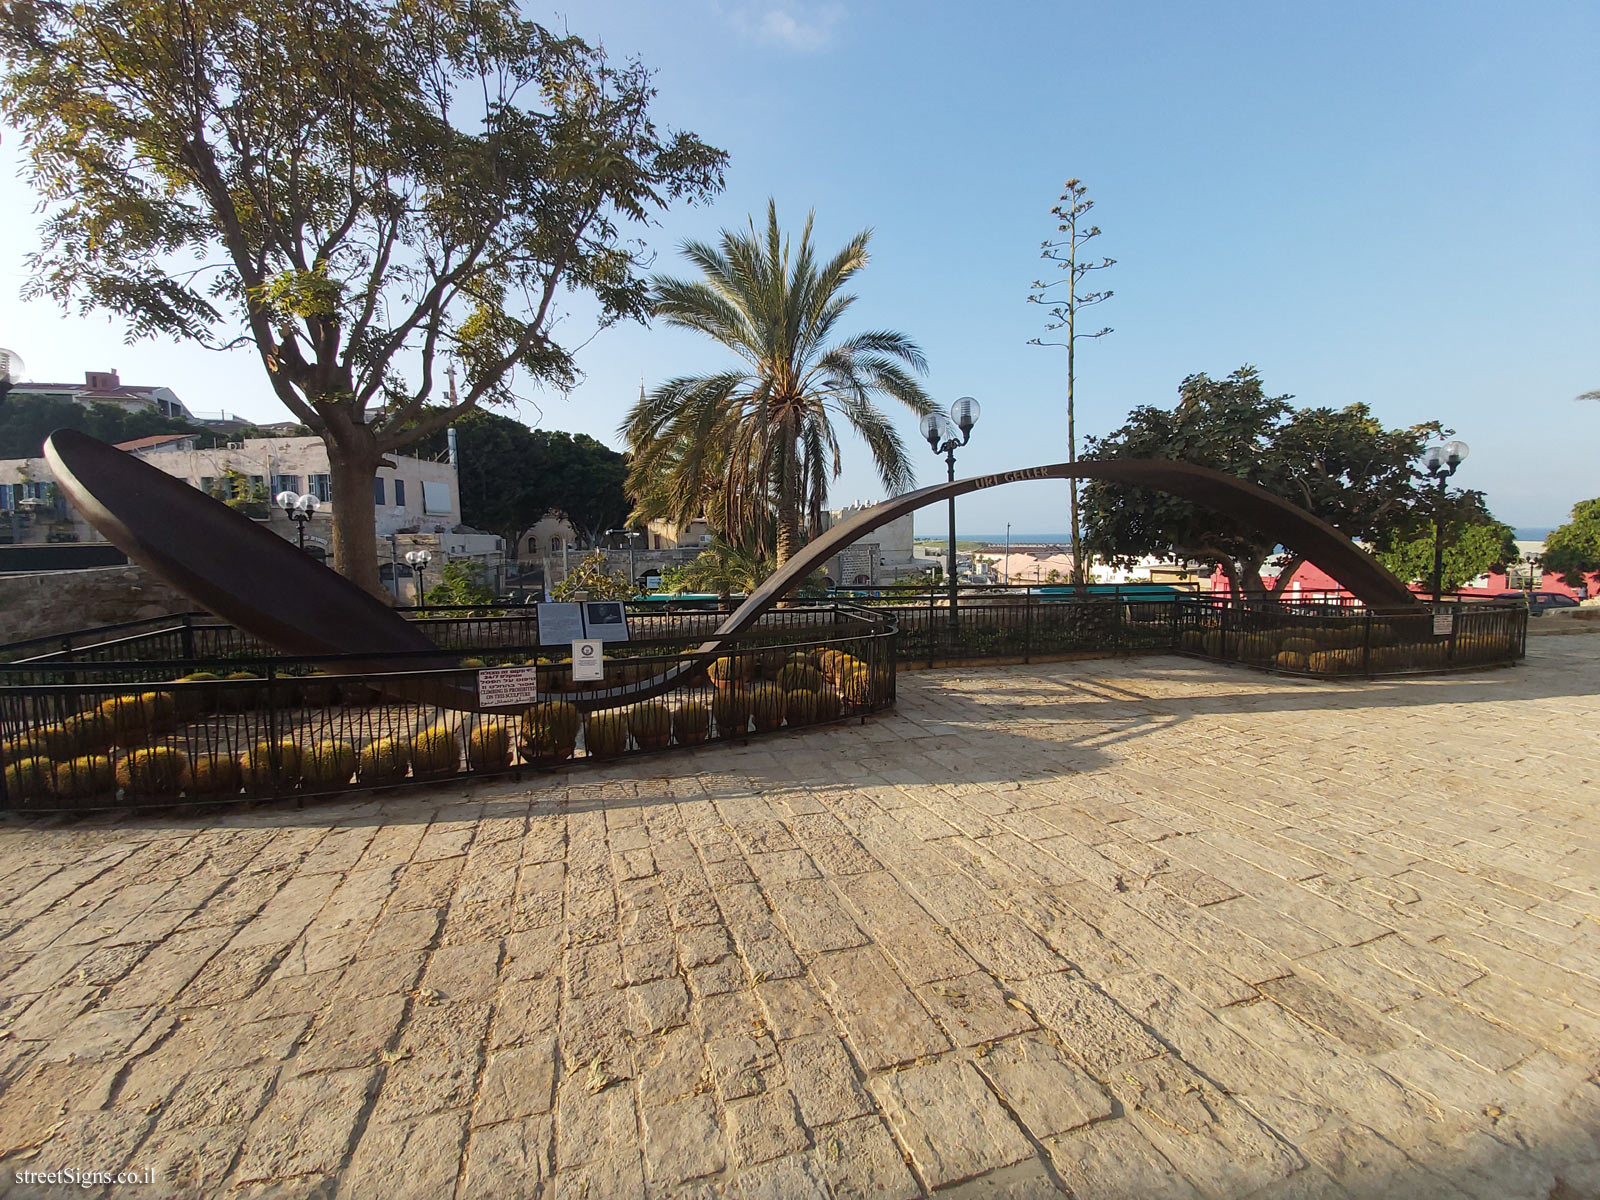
435,751
30,779
691,723
767,706
213,775
328,763
650,723
489,746
730,708
82,778
549,732
152,771
605,733
262,773
383,761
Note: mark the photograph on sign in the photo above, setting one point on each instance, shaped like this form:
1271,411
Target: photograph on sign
560,624
508,687
588,660
605,620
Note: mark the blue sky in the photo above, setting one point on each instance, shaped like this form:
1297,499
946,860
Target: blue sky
1389,203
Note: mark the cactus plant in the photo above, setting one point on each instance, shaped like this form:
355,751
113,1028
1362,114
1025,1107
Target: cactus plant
766,706
85,777
800,678
271,766
729,670
1334,662
857,686
329,763
56,741
650,722
134,718
489,746
383,761
192,701
691,723
730,708
30,779
549,732
472,664
1192,641
800,707
1297,645
22,746
1293,660
1257,647
435,751
213,775
837,664
153,771
605,733
242,699
829,703
770,661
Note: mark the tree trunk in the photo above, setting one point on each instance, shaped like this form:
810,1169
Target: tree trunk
355,536
788,507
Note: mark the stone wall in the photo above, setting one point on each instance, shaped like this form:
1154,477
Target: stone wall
60,601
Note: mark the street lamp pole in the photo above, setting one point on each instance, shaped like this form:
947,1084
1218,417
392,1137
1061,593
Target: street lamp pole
944,433
1441,463
298,509
418,561
1008,553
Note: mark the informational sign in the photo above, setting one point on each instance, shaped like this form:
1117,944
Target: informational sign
588,660
652,581
592,620
1444,624
605,620
560,624
508,687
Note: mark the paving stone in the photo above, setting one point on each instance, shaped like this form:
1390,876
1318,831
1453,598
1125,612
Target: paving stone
860,1160
416,1159
306,1127
682,1141
949,1121
508,1159
824,1079
1048,1094
885,1024
1094,1029
517,1083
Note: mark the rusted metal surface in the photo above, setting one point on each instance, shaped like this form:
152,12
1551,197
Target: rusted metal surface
265,586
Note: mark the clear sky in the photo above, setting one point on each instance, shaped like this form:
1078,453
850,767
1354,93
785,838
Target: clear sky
1379,202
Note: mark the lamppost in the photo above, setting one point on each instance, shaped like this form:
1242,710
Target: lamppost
1441,463
941,432
298,509
630,534
418,561
1008,553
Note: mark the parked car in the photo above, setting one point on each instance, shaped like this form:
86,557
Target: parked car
1540,603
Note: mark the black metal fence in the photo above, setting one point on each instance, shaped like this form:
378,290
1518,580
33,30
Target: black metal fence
83,731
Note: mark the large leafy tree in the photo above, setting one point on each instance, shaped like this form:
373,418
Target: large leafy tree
1573,550
512,475
1474,542
1341,464
356,189
757,442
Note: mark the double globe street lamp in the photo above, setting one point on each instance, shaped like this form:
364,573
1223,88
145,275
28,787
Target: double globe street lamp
418,561
1441,462
299,509
944,434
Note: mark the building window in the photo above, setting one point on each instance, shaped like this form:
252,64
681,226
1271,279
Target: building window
207,482
5,499
377,492
399,493
555,545
258,485
435,497
533,545
321,486
285,483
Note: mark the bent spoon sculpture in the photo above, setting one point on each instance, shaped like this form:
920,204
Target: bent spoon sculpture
265,586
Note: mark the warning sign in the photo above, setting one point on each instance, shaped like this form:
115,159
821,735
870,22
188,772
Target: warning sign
508,687
1444,624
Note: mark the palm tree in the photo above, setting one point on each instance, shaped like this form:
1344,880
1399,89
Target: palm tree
754,448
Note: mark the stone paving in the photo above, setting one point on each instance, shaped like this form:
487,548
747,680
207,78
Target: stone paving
1150,928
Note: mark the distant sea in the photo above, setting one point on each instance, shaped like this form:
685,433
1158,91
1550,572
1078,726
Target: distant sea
1530,533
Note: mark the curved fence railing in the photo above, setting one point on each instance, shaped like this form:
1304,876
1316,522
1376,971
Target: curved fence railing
82,731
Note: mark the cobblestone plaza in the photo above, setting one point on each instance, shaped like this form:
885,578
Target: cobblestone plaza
1116,928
